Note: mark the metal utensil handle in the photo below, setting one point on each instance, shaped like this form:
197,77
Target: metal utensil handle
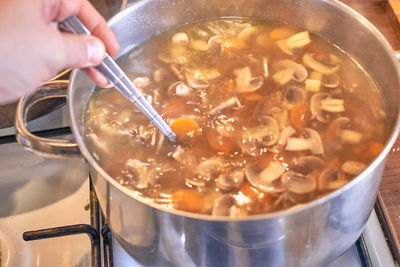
110,69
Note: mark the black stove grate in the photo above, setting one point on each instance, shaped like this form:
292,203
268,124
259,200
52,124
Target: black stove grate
99,234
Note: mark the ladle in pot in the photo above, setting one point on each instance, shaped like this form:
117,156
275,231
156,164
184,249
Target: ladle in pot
110,69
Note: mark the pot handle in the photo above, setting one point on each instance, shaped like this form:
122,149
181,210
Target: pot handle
57,148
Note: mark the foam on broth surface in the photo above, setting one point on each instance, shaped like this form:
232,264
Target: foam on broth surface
269,116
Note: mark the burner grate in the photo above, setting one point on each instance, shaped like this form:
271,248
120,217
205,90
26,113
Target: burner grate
96,234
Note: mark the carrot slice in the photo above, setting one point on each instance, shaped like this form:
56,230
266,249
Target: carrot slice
254,194
334,163
280,33
374,149
187,200
252,96
219,142
299,115
185,127
234,45
175,107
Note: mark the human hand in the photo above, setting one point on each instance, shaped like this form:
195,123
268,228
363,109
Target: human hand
33,49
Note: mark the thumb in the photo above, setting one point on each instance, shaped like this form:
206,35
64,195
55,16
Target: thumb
82,51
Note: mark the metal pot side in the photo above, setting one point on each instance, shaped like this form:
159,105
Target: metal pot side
312,234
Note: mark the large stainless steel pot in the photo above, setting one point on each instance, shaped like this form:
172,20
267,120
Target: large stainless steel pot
312,234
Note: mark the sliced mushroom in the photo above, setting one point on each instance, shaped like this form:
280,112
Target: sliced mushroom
245,82
311,141
307,164
264,180
199,45
353,167
298,183
287,70
180,38
159,75
179,88
296,41
265,134
334,132
222,205
216,44
246,33
331,81
332,105
142,173
315,107
293,95
184,156
231,180
141,82
331,178
312,63
198,79
226,104
210,168
287,132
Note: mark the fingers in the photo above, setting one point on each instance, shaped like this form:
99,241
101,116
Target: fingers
90,18
81,51
96,76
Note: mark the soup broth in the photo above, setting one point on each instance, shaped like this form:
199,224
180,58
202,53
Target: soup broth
268,116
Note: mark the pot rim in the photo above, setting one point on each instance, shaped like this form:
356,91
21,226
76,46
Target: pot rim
287,212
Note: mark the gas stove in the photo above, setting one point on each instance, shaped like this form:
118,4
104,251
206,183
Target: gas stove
40,193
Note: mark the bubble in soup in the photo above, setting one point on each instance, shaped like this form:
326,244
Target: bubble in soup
268,116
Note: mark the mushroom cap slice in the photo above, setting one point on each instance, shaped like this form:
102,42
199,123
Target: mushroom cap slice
331,178
331,81
180,38
287,70
265,134
315,107
216,44
307,164
315,140
264,180
179,88
245,82
293,95
231,180
298,183
311,141
353,167
312,63
247,32
222,205
142,172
